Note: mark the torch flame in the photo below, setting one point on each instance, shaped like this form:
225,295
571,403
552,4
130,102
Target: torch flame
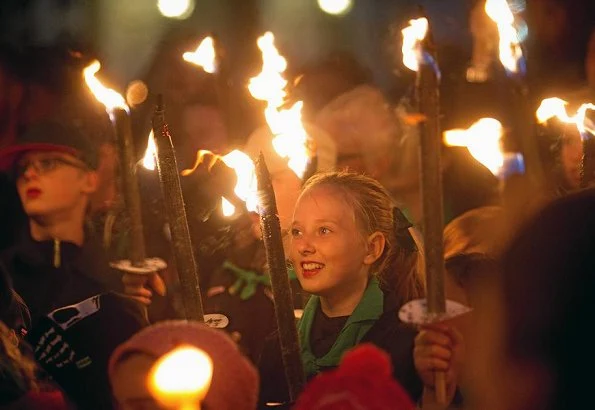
553,107
413,35
150,152
182,377
245,189
269,85
556,108
483,140
581,120
291,139
227,207
510,44
108,97
204,55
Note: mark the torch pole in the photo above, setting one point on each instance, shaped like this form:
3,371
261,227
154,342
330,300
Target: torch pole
176,214
427,87
129,186
273,245
525,128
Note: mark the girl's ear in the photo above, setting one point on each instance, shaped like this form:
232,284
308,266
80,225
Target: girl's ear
376,243
90,182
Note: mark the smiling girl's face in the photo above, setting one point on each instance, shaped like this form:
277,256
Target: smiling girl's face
328,248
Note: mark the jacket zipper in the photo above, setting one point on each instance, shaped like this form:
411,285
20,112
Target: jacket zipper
57,256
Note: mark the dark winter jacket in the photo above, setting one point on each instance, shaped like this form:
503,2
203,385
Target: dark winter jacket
48,275
388,333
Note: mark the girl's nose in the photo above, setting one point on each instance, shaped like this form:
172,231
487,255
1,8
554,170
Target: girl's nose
305,246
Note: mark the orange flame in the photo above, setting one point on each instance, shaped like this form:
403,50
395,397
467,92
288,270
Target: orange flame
413,35
204,55
181,378
245,189
553,107
227,207
269,85
510,45
106,96
483,140
582,122
150,152
556,108
290,138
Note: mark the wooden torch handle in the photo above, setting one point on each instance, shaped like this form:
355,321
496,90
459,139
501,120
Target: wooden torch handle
440,387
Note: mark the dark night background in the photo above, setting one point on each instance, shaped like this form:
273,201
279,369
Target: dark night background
128,36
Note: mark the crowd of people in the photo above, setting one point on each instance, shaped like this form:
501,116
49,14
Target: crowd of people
77,333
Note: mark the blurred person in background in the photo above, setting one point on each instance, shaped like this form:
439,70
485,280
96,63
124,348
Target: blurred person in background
20,384
382,140
472,244
568,148
340,99
196,121
234,384
73,344
566,155
530,341
586,93
20,387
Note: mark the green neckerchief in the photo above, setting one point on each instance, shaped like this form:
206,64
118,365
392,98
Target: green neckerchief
361,320
248,280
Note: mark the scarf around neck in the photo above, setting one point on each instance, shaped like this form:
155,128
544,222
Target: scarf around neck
366,313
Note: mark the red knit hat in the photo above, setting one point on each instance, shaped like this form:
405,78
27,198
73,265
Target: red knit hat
234,385
363,380
54,135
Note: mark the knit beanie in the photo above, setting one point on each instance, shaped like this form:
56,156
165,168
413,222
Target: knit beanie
234,385
363,380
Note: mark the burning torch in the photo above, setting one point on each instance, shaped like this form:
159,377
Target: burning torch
118,112
417,56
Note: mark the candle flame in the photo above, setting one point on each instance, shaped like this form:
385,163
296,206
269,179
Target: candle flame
150,152
246,188
181,377
290,138
413,35
510,51
106,96
556,108
204,55
483,140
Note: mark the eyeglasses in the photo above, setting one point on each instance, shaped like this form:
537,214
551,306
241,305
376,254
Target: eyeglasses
44,165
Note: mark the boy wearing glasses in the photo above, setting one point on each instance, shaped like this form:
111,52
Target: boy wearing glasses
54,264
